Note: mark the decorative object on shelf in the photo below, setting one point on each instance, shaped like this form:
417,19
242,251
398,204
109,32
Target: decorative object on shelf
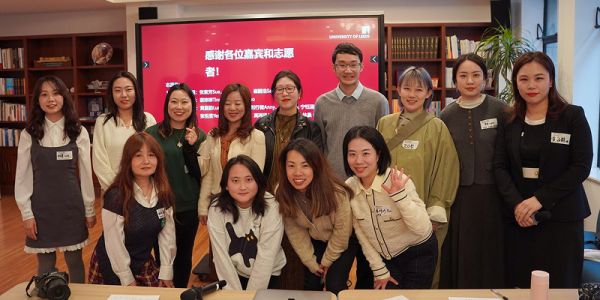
97,85
102,53
501,48
52,61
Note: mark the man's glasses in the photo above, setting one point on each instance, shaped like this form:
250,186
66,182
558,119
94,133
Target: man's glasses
347,66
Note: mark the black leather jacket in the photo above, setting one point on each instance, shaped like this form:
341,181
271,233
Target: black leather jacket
305,128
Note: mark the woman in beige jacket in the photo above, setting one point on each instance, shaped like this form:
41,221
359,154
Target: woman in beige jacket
317,217
233,136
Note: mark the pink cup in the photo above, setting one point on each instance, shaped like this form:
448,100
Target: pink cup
540,284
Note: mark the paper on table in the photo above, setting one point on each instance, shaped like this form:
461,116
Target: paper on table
471,298
397,298
133,297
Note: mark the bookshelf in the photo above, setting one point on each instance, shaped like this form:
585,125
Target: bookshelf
76,74
425,45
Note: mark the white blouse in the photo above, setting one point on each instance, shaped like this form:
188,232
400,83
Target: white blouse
114,240
54,136
109,140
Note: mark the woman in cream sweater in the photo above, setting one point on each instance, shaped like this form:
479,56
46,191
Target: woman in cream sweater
233,136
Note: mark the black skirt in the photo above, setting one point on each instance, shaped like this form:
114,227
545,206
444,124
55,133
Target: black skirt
473,252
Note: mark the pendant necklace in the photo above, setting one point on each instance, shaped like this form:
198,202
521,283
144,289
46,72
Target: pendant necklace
179,144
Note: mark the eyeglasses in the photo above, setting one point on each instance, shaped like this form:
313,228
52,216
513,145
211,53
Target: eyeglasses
346,66
289,89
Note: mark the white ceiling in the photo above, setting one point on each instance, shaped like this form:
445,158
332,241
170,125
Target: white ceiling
51,6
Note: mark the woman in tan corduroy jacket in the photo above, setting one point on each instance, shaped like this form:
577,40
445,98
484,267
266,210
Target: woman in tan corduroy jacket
317,217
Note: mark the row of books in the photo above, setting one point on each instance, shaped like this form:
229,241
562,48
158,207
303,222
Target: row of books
456,47
9,137
12,111
12,86
414,47
11,58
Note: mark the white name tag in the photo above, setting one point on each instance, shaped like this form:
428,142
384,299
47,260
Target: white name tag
560,138
161,213
383,210
64,155
410,145
489,123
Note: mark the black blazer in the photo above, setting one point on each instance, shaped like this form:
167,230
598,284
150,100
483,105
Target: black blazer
305,128
563,168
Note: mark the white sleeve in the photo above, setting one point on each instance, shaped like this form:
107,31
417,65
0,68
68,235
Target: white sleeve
412,209
150,121
24,176
167,246
218,241
85,172
204,160
259,148
114,242
100,155
269,245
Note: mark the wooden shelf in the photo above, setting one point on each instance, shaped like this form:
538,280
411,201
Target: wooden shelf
69,68
78,48
415,60
12,96
101,67
398,38
91,94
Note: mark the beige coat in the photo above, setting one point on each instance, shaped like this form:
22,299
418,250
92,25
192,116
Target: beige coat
335,229
210,164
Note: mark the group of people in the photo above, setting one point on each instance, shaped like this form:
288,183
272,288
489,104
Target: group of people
477,198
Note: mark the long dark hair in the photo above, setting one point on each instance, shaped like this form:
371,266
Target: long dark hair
376,140
125,178
556,102
35,125
139,118
225,201
322,191
164,128
246,126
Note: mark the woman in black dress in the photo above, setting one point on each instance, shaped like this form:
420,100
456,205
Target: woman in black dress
543,154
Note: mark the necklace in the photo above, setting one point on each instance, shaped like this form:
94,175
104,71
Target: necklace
179,144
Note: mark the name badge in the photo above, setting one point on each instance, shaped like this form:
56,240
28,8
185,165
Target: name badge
383,210
410,145
489,123
64,155
161,213
560,138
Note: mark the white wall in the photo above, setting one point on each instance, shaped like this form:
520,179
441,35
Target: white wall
579,65
62,23
395,11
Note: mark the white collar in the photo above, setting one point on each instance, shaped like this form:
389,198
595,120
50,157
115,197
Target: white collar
357,91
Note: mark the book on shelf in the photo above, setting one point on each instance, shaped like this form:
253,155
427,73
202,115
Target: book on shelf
449,82
12,86
9,137
414,47
435,108
11,58
12,111
456,47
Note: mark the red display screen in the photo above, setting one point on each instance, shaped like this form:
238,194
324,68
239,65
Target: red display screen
207,55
